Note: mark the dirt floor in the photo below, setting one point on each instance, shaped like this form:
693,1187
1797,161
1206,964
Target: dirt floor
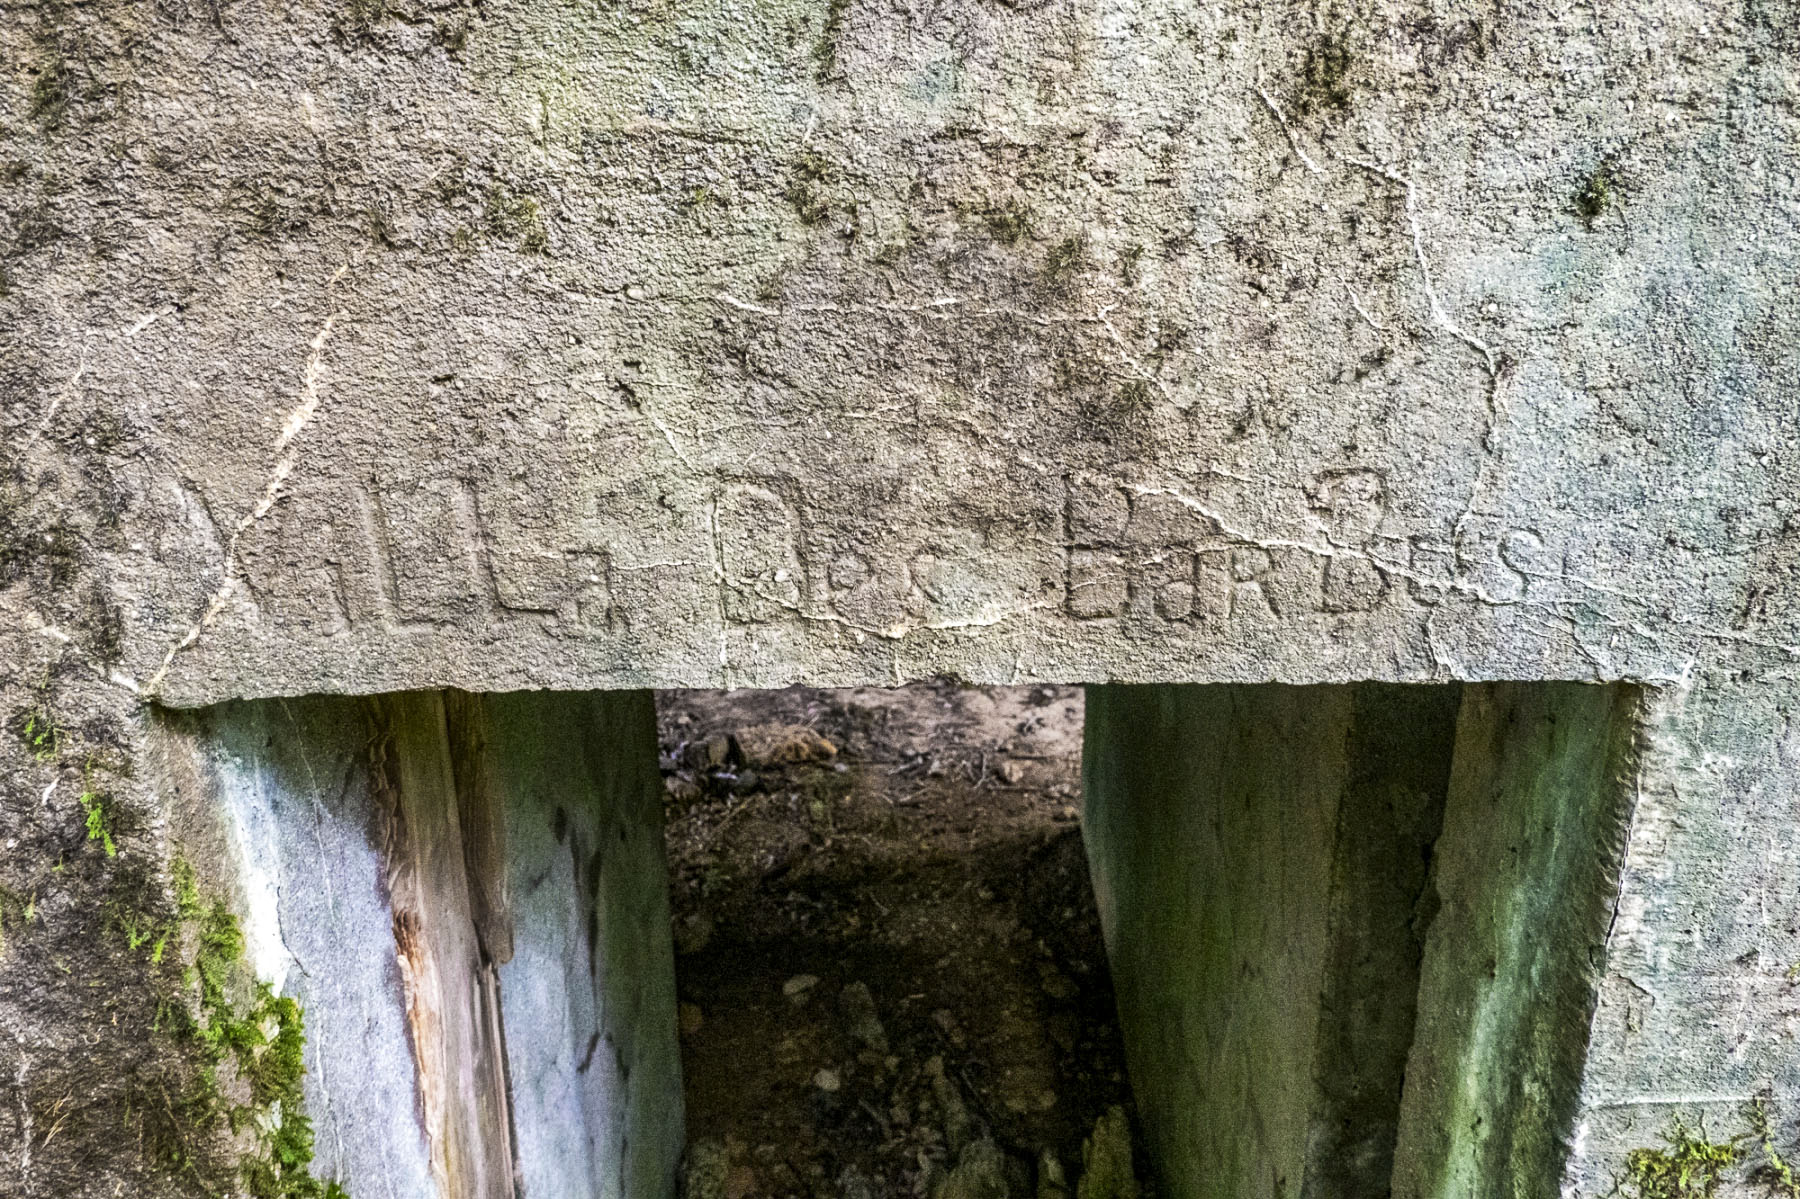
890,968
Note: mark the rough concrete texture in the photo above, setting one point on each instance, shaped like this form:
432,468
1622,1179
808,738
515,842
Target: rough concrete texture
1259,858
459,1047
356,346
531,345
1524,877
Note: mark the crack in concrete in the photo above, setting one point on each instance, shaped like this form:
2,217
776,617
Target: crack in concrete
311,378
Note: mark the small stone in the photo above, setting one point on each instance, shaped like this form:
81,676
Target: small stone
709,754
852,1185
952,1029
705,1172
1057,985
860,1017
1051,1182
958,1127
1011,772
982,1172
799,988
1069,813
681,788
766,745
693,933
1106,1168
829,1081
690,1018
740,1183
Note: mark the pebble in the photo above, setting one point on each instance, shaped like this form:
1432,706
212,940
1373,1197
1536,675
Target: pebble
958,1127
740,1183
860,1017
768,745
948,1024
799,988
1106,1167
828,1081
1051,1181
693,933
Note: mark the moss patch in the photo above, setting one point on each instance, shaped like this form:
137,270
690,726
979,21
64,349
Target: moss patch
1326,74
1066,258
804,192
510,216
1598,193
1008,223
1689,1166
825,50
247,1044
50,91
96,817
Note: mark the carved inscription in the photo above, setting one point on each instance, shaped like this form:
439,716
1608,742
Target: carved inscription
423,553
398,555
1156,556
759,551
1135,552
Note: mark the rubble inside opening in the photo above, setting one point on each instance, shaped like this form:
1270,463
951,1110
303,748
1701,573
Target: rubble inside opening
889,966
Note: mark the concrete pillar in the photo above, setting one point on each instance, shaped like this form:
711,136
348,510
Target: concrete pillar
1699,1003
1525,873
466,895
1259,857
1354,929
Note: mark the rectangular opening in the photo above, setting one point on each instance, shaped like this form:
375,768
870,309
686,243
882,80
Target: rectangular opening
888,960
1330,942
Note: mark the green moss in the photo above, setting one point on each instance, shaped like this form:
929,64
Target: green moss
50,91
513,217
228,1020
358,19
825,50
1130,263
94,809
1326,72
804,191
17,910
1135,396
1008,223
1597,194
1689,1167
41,733
1774,1172
701,198
453,36
381,230
1066,257
38,726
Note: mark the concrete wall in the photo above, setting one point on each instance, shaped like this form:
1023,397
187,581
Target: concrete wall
1357,933
520,345
370,347
466,896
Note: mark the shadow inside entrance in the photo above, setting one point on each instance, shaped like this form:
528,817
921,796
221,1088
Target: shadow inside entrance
888,960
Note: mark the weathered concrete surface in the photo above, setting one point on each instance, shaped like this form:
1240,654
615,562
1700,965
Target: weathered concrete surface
457,1048
537,345
1525,877
359,347
1259,858
1698,1013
